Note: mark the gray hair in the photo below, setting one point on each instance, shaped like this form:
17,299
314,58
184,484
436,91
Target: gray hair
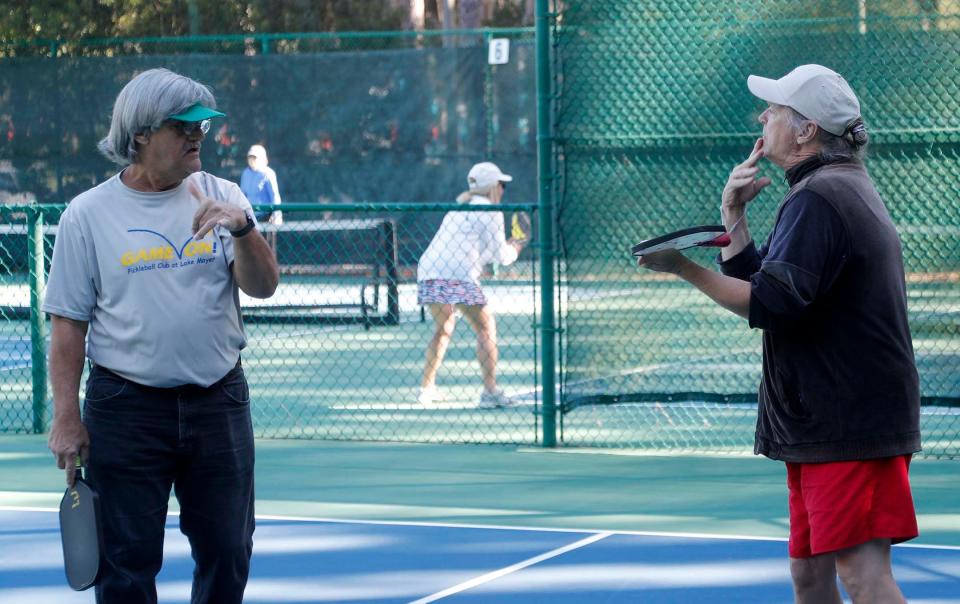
144,104
852,145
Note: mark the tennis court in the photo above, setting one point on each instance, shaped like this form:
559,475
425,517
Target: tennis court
380,522
650,493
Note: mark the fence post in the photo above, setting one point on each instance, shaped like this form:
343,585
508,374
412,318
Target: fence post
488,93
548,332
38,339
391,261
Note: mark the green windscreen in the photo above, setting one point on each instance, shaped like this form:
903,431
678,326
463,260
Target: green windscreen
653,114
357,124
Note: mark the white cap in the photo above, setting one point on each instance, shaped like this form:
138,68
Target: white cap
485,175
257,151
818,93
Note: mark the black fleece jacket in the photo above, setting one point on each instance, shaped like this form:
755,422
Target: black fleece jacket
828,290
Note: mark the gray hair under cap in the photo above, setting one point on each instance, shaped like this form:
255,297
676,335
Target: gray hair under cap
143,105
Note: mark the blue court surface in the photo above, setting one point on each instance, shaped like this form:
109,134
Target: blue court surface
310,560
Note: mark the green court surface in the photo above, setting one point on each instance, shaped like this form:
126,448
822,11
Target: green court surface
658,335
513,486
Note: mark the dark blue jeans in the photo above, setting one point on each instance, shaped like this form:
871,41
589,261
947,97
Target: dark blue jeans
198,441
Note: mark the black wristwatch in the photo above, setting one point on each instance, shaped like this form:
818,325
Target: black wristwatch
246,228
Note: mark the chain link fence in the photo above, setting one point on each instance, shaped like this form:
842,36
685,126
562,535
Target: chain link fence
347,118
652,115
338,352
650,112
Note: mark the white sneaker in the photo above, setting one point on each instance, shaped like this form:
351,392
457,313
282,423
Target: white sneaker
429,395
496,399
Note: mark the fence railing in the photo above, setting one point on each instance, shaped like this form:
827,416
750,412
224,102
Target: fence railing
260,43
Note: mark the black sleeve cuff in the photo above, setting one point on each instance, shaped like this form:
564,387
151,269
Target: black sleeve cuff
743,265
760,316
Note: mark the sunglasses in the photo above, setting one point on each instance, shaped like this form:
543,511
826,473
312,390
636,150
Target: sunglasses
190,128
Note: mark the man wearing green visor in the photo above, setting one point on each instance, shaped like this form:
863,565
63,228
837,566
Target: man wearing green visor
144,283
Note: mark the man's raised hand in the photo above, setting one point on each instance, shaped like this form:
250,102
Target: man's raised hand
210,214
743,185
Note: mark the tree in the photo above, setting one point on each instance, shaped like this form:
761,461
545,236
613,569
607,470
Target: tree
417,15
36,21
446,14
470,13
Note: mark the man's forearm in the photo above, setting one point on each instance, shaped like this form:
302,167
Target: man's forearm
255,266
68,440
67,354
730,293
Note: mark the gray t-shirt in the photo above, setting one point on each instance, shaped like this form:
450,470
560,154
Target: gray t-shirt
163,309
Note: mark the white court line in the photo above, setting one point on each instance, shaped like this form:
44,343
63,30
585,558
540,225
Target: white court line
459,525
500,527
510,569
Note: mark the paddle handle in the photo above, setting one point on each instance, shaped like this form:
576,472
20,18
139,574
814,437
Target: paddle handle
719,241
78,469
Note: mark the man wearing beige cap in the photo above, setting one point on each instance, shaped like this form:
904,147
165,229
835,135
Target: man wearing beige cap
839,399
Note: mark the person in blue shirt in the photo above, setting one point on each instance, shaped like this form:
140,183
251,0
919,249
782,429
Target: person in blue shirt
259,183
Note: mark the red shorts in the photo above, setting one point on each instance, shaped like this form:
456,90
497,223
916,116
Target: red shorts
838,505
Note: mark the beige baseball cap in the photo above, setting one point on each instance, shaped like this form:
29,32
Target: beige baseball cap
820,94
486,174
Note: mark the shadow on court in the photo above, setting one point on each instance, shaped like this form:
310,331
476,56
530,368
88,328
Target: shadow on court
328,561
364,523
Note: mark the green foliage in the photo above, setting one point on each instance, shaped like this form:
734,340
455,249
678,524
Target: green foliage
24,23
277,16
508,14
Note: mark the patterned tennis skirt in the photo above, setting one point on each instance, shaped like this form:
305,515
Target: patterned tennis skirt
448,291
